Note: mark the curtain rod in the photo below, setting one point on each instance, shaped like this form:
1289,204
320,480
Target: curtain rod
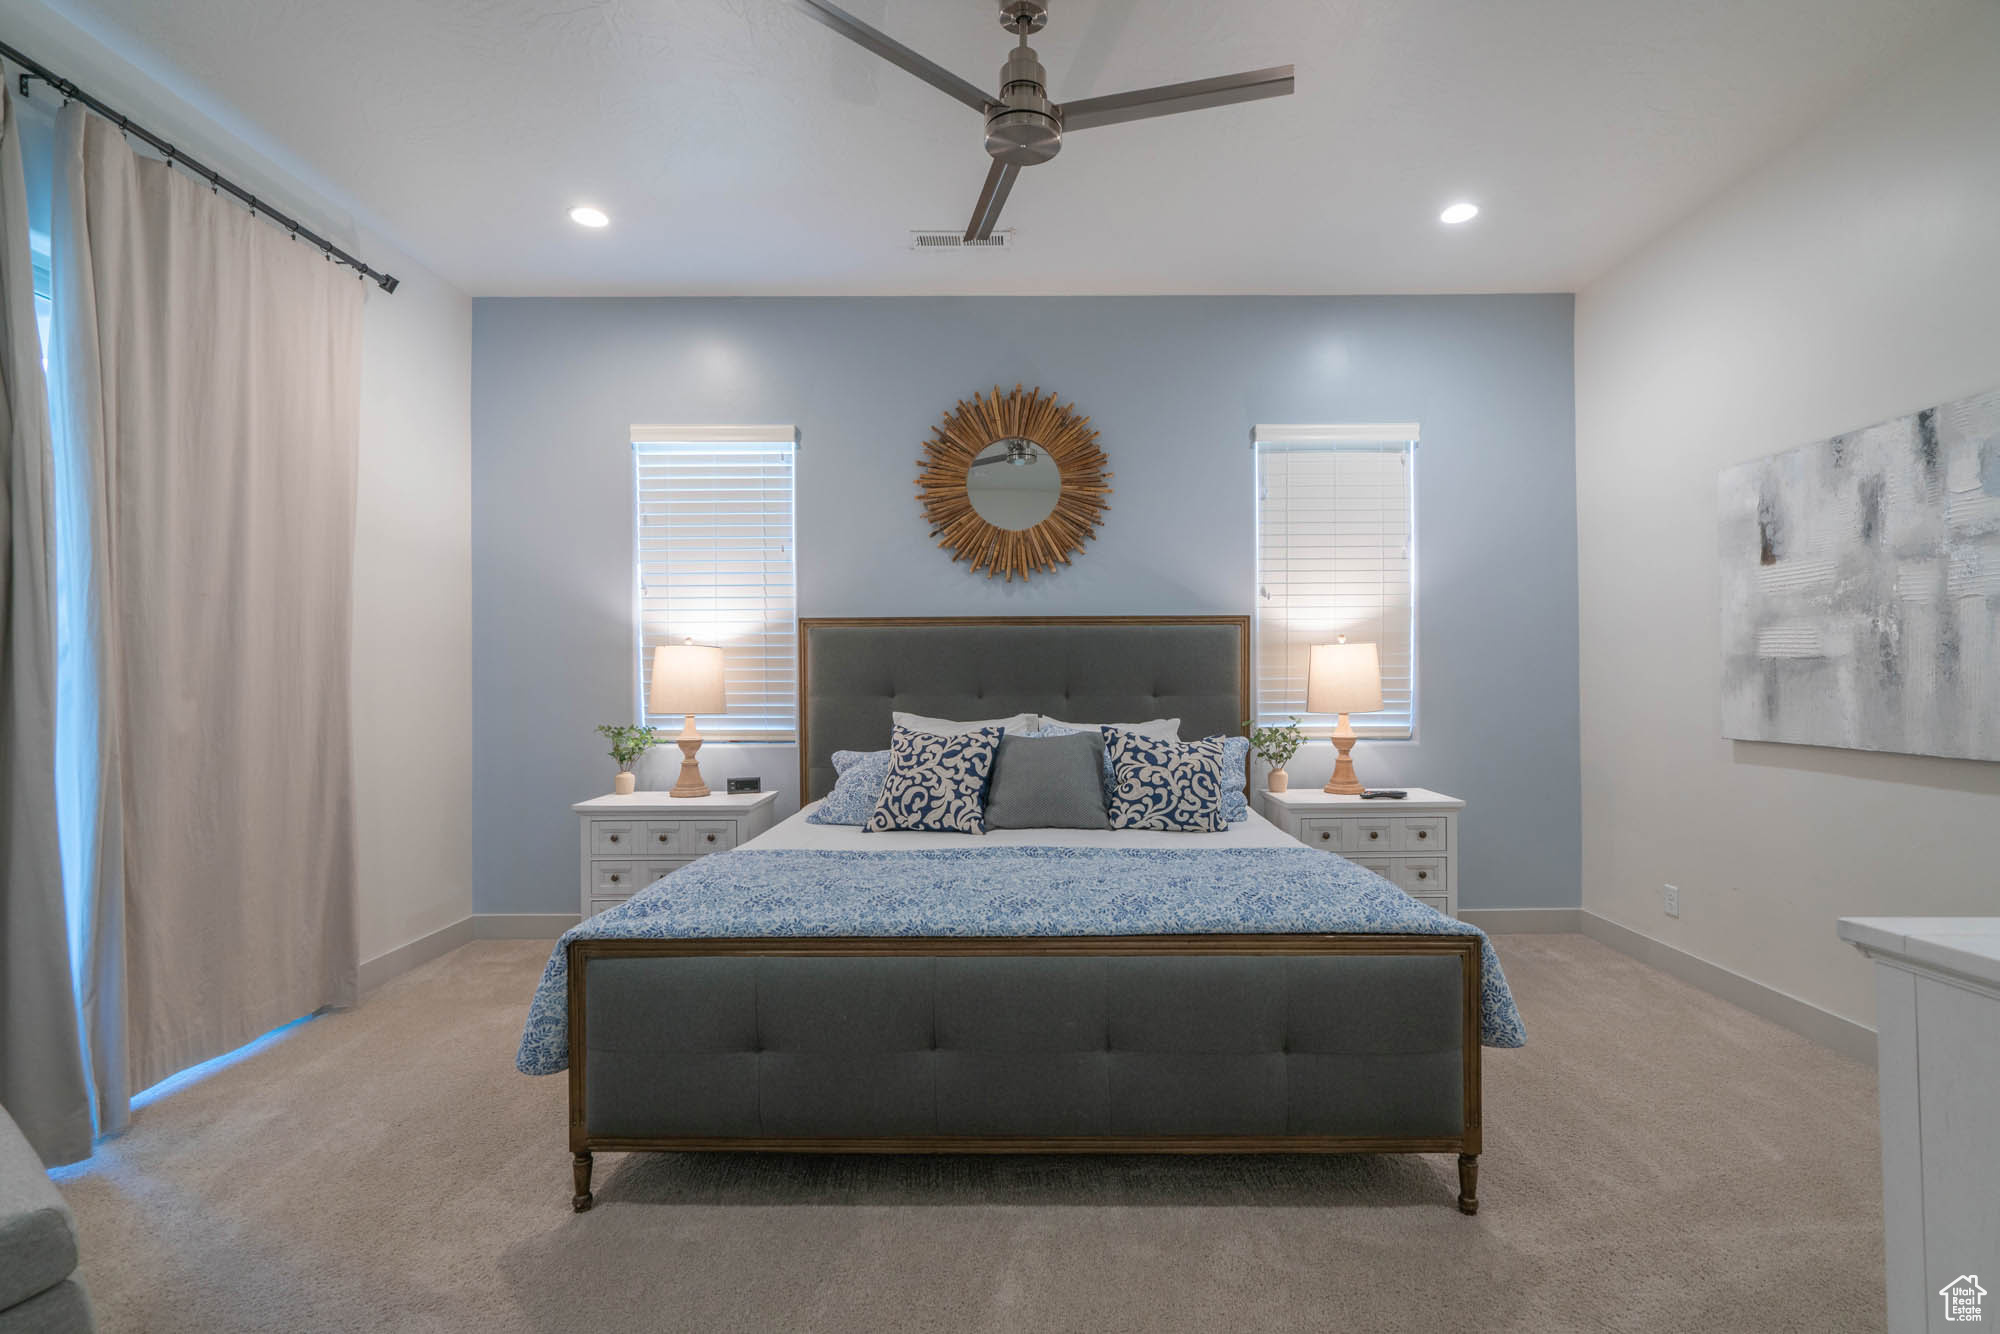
215,179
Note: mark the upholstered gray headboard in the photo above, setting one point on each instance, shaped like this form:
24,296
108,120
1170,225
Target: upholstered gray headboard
1100,669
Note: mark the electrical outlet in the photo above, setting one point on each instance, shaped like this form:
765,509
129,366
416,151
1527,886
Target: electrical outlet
1670,900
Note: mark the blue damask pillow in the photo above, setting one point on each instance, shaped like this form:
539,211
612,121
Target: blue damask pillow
855,792
1235,760
937,782
1166,784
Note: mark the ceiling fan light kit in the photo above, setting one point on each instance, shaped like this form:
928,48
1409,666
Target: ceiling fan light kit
1023,127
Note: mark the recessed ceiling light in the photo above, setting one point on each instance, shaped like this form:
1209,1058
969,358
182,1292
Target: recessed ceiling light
583,215
1451,217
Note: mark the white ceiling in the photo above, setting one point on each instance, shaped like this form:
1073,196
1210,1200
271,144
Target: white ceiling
742,148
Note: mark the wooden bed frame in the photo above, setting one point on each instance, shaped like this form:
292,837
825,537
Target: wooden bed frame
1465,1144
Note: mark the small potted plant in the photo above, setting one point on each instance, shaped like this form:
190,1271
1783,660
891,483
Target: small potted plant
1276,746
628,742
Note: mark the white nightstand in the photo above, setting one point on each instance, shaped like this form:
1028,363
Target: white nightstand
1413,842
629,842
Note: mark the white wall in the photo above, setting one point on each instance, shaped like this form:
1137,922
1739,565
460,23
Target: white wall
412,657
413,612
1853,278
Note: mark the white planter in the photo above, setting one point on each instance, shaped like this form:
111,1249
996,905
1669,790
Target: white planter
624,783
1278,781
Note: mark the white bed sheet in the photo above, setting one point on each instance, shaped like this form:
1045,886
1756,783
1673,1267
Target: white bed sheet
794,832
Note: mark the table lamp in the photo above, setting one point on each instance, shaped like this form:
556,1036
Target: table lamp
1343,678
687,679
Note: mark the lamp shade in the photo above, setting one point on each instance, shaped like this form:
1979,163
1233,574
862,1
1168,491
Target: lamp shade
1343,678
687,678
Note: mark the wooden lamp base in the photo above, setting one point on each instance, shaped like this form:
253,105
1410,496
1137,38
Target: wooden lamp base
690,783
1344,783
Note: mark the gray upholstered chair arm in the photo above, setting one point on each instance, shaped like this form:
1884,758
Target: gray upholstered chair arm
37,1232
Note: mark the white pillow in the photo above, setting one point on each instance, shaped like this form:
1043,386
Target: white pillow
1020,722
1159,729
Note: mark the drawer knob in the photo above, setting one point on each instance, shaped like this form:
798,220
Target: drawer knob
614,838
662,838
1374,833
1423,875
1324,835
1423,833
614,877
711,838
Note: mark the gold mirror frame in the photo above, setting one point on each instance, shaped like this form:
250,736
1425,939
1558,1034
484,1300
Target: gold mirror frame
1060,433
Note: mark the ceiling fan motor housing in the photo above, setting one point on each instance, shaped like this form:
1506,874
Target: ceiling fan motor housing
1026,127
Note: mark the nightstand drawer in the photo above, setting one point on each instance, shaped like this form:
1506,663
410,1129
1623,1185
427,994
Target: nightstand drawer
1371,835
1421,833
624,879
1439,901
707,836
1422,877
618,879
1326,835
1381,866
666,838
602,905
616,838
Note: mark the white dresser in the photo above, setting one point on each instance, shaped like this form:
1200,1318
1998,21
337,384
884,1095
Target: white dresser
1937,1062
1413,842
629,842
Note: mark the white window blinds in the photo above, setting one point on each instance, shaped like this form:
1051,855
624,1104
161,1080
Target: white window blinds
1336,555
716,565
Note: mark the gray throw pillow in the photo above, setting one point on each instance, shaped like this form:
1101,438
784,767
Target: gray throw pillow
1050,782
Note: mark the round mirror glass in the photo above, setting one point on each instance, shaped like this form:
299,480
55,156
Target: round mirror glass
1013,484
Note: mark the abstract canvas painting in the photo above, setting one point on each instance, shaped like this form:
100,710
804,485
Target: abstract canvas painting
1861,588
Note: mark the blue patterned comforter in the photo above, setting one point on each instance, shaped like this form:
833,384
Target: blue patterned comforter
1014,891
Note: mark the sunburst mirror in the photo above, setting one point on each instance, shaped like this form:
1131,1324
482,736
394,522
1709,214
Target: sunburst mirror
1013,484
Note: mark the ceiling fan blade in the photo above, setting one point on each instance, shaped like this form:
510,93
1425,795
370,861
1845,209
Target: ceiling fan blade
893,51
992,198
1174,97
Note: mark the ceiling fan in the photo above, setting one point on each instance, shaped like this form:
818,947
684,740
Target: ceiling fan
1022,126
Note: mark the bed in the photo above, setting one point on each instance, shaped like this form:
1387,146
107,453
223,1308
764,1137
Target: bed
821,989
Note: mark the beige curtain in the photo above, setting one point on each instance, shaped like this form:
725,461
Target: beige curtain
41,1066
210,376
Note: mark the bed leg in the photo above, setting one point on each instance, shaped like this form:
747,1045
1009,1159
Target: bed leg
1468,1183
581,1167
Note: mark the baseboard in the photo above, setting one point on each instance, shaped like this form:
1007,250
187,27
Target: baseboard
521,925
1522,921
1767,1002
394,963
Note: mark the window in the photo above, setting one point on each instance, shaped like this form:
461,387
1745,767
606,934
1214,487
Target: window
1336,555
715,564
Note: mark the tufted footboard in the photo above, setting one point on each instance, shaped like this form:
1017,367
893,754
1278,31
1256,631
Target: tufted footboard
1158,1044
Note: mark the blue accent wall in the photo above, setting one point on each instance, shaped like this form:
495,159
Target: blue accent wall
1173,383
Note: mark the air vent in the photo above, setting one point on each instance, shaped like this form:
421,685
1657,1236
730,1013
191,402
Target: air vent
955,240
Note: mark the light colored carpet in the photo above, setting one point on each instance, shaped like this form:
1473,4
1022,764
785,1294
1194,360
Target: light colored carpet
1655,1160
